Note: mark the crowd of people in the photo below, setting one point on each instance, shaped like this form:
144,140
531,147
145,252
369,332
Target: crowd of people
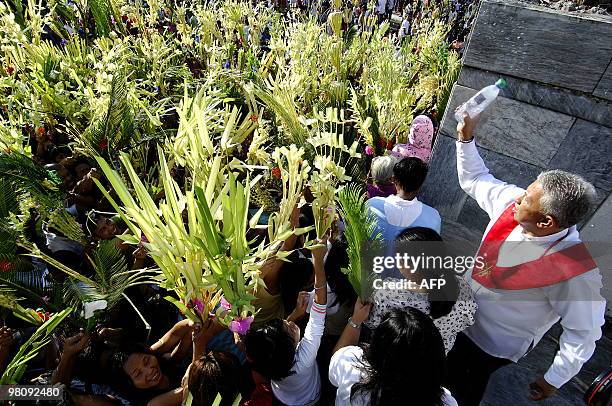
313,340
458,14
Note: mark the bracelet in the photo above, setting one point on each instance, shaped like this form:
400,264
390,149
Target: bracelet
321,287
353,324
465,142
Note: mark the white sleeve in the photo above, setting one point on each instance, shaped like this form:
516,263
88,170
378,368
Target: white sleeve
331,298
343,366
306,354
581,308
491,194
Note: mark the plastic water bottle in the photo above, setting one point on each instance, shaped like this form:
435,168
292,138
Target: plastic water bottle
480,101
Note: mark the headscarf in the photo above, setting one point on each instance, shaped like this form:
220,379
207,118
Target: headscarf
419,140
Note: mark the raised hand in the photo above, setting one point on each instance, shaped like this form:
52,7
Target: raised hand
76,344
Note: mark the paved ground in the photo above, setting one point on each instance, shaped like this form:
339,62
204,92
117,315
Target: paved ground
508,386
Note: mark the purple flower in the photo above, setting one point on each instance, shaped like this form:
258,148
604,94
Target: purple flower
63,42
241,325
198,305
369,150
225,305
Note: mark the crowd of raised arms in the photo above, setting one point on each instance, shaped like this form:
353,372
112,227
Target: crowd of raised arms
313,339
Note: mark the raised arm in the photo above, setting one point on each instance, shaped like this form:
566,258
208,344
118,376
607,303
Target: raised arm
320,280
72,347
491,194
309,344
173,337
352,331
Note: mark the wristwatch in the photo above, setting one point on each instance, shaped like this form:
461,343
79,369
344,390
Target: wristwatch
353,324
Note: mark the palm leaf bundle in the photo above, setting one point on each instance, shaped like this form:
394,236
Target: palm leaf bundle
360,228
198,238
112,277
113,126
190,256
30,349
22,177
10,301
332,154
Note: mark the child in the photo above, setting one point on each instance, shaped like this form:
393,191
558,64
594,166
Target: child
276,353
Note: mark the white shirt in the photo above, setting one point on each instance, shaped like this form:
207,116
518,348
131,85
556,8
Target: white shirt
381,6
345,371
509,322
304,387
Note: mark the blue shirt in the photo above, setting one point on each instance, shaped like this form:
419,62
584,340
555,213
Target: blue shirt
394,215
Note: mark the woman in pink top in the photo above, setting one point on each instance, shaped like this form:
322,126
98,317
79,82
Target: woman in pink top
419,140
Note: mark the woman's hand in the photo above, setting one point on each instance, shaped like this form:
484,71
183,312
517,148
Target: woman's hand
361,311
201,334
75,344
107,334
319,251
300,307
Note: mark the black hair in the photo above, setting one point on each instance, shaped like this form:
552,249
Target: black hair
337,258
122,382
294,277
441,300
63,149
270,350
212,374
410,173
404,362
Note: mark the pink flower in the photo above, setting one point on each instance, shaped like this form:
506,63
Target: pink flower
241,325
225,305
198,305
143,239
369,150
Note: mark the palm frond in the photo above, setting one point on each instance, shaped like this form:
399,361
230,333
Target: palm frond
113,127
101,11
360,228
29,350
21,174
8,199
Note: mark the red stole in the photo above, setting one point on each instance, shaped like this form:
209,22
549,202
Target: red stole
544,271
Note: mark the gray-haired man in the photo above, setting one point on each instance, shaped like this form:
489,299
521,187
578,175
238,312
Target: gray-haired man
535,272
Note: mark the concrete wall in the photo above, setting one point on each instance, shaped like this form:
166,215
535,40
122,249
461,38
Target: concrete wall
555,113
